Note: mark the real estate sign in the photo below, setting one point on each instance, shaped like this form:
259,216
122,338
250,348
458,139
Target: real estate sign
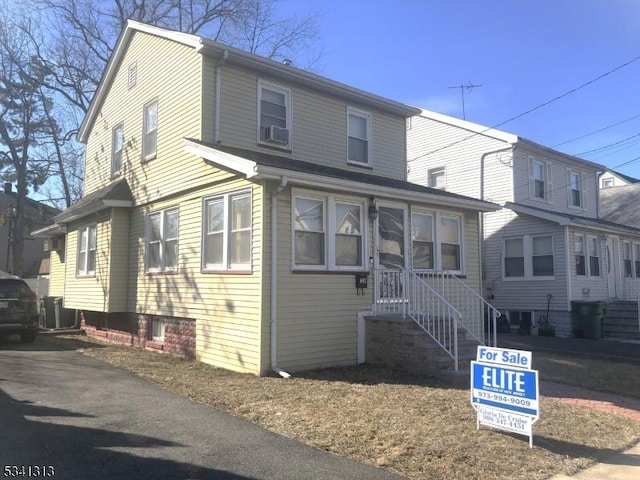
504,390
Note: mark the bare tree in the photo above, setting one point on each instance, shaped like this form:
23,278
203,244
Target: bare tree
24,127
74,40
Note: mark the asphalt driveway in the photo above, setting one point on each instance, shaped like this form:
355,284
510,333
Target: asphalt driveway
87,419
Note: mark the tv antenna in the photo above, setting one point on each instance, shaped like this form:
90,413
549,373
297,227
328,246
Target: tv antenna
469,86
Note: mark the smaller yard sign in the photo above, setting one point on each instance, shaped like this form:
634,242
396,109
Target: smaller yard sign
504,390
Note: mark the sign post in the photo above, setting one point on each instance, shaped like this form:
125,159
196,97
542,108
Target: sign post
504,390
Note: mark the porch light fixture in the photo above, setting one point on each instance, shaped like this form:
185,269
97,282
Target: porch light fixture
373,210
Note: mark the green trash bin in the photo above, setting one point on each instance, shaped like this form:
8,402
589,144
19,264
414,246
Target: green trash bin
47,312
588,318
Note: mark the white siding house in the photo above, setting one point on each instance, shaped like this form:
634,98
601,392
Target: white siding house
548,245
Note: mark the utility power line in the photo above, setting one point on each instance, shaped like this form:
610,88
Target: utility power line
573,90
596,131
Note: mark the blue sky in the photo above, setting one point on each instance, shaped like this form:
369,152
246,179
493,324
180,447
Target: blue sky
523,53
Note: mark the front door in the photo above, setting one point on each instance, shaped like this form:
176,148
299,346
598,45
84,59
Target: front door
613,267
391,254
391,241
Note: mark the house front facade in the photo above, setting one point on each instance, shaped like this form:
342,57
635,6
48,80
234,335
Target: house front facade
237,210
548,246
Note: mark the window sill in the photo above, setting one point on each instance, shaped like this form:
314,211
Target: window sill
85,275
149,158
328,272
221,271
166,272
527,279
156,344
275,146
361,165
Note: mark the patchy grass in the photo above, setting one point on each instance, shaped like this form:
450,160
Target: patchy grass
420,428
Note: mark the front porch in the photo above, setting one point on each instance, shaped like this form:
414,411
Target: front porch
426,322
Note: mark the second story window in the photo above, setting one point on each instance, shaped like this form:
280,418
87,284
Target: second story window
575,189
436,178
540,180
150,131
117,143
87,245
359,137
274,115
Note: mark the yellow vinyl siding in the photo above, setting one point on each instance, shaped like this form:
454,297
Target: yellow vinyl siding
56,273
119,285
171,74
319,125
89,292
317,312
226,306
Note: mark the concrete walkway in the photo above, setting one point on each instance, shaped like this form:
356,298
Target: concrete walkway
622,466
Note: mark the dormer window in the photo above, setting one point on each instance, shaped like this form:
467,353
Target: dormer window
359,137
274,115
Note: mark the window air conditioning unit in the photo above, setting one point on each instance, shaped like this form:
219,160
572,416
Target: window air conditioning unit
276,134
54,245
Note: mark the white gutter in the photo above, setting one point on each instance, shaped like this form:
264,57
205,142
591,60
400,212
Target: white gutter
274,278
353,186
216,134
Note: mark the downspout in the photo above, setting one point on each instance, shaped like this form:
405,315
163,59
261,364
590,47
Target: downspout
567,260
482,214
216,131
274,278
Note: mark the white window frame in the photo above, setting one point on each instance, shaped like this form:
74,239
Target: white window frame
593,240
162,241
116,155
582,184
433,174
627,259
85,249
579,238
437,238
158,327
262,84
527,247
226,264
636,259
366,116
547,174
588,241
149,136
607,182
329,226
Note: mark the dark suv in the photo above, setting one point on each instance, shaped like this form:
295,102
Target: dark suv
18,309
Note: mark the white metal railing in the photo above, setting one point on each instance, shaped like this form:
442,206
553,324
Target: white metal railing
390,292
434,314
479,317
439,302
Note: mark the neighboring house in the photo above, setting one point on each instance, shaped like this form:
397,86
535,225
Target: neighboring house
235,209
36,215
548,246
611,178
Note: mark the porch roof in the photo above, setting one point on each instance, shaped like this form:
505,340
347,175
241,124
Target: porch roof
268,166
116,194
561,218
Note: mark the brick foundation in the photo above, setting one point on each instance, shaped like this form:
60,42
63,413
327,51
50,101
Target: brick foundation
135,329
401,345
